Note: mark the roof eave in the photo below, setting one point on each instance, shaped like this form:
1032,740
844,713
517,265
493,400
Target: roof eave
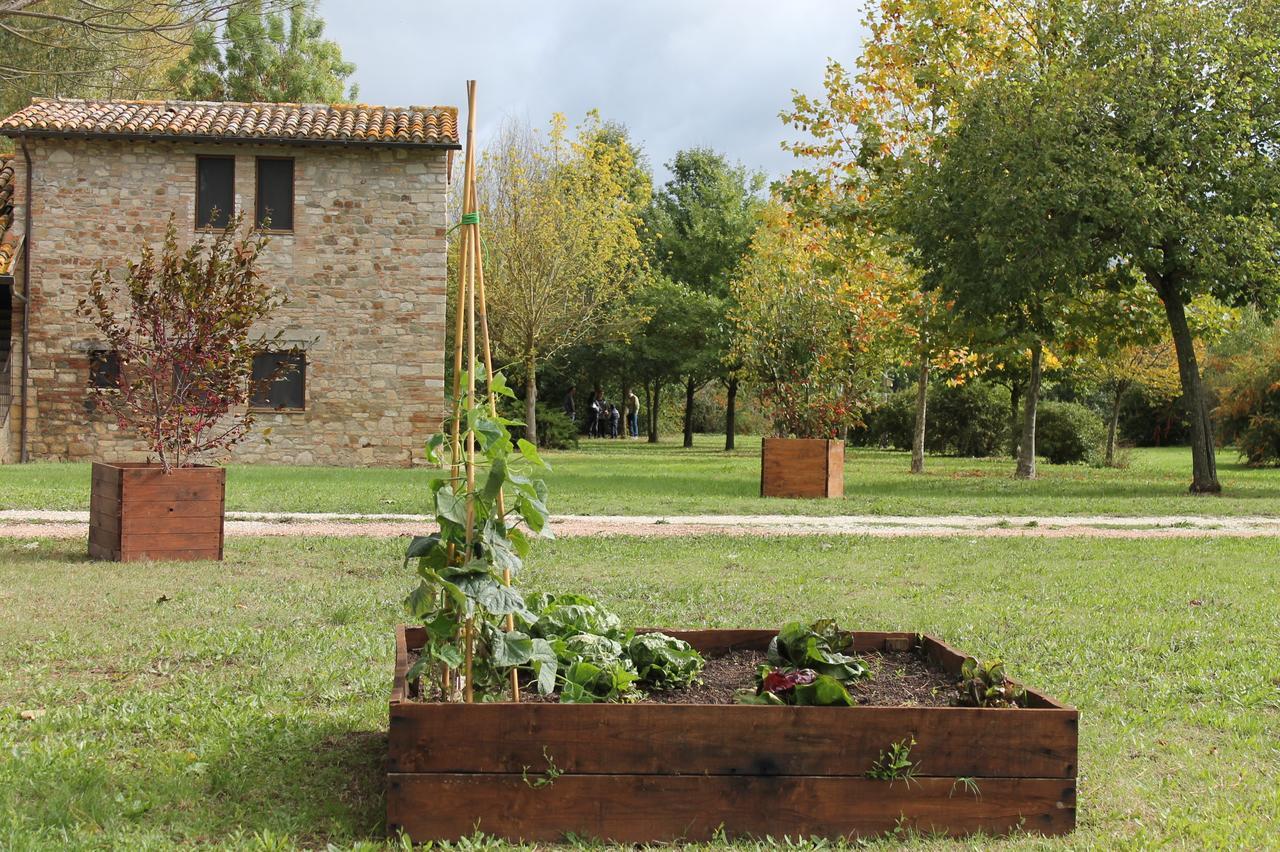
37,133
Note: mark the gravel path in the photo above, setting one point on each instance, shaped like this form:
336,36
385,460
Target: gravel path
18,523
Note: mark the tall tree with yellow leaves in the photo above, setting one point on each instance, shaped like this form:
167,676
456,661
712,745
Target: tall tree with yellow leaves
561,219
875,126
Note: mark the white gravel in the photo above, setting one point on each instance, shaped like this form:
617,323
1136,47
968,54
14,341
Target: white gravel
20,523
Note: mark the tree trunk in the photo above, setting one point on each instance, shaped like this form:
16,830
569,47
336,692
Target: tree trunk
731,414
1015,397
689,389
1113,423
531,402
1027,446
922,405
653,412
1204,466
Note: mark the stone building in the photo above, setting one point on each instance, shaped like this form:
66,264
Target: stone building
354,199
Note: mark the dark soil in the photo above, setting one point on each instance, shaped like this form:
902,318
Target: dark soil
898,679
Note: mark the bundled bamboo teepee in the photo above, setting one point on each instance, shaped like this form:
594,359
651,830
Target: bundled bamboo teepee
470,314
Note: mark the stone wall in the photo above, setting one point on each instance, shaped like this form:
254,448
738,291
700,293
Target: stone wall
364,272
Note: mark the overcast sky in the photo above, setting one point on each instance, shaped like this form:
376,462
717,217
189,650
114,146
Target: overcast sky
678,74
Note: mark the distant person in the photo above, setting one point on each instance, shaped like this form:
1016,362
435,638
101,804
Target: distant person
571,408
594,415
633,414
614,416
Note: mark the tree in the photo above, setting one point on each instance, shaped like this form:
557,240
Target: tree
562,242
1000,224
700,227
259,55
1189,123
815,331
1145,149
672,332
872,129
99,48
184,341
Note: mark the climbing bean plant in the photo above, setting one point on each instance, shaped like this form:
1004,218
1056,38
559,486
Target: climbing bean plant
486,511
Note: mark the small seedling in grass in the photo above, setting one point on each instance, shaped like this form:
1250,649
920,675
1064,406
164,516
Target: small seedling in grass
547,778
895,764
970,785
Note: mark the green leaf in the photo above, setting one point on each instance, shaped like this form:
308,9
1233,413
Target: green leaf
519,543
422,601
825,691
451,506
530,452
511,649
496,479
449,654
545,665
499,386
416,670
434,445
422,545
533,512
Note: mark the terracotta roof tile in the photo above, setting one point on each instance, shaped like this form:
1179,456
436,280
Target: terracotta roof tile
8,239
351,124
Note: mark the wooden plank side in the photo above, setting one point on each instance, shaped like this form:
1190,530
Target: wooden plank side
793,467
728,739
105,539
205,523
399,685
835,469
176,555
640,809
180,490
106,474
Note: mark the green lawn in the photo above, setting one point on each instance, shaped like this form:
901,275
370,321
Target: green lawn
243,704
632,477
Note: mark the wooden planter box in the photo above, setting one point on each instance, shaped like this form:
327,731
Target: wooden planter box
640,773
801,467
137,511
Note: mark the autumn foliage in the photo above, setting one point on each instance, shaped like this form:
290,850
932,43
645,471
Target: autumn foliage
816,328
180,326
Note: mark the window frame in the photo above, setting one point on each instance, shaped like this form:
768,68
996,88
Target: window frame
228,213
104,363
301,375
257,195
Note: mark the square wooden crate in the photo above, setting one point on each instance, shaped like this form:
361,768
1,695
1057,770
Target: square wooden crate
137,511
801,467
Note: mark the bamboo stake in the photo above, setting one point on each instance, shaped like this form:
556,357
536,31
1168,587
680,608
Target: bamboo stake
483,319
470,281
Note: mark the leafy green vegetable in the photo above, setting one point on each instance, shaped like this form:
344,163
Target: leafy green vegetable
569,615
985,685
801,687
664,662
816,647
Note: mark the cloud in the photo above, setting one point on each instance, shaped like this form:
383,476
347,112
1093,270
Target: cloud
678,74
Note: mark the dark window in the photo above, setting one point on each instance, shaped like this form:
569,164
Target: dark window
275,194
279,379
215,191
104,369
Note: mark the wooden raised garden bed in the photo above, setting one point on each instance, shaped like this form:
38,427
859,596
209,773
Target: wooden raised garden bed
801,467
137,511
637,773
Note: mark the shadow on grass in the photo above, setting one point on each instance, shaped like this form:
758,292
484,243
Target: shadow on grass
318,784
20,552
